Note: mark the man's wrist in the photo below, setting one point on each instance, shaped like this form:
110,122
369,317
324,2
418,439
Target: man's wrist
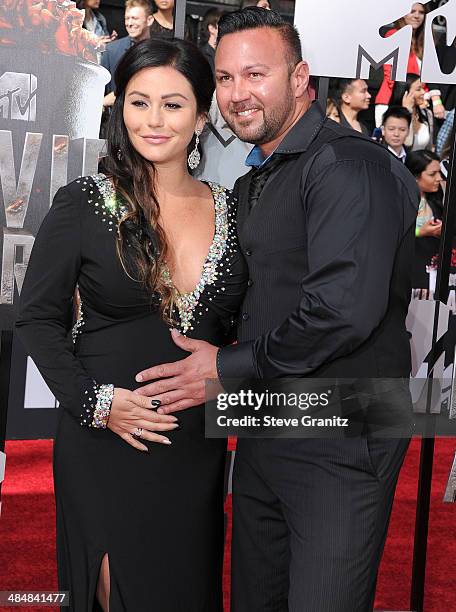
236,361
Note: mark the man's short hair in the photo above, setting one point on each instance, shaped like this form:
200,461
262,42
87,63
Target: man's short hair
254,17
398,112
145,4
341,86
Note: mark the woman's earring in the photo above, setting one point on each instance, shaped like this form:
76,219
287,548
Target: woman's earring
119,155
194,158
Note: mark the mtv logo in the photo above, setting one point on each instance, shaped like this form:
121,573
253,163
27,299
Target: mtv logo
349,50
18,96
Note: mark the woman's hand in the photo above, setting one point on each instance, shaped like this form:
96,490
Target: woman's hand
130,411
439,111
432,228
409,101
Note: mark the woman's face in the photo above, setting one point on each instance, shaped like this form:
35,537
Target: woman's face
164,5
92,4
430,179
160,114
333,113
417,91
416,17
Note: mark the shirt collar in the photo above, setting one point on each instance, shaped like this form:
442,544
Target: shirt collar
255,158
402,155
297,140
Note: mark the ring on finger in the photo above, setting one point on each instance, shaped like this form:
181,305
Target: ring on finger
137,432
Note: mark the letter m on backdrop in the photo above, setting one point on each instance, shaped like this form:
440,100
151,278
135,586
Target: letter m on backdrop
341,38
18,96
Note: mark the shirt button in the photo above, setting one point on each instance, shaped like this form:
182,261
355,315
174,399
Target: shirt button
249,282
245,316
248,252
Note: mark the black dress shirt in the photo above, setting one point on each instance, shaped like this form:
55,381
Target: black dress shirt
329,247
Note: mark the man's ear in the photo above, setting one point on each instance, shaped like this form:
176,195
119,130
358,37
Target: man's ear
346,98
301,77
150,20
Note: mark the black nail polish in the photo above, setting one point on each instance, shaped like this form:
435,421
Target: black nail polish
155,403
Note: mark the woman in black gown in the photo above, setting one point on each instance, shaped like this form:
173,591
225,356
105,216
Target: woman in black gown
139,501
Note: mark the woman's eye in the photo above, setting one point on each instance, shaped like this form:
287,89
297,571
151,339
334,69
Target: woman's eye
139,103
173,105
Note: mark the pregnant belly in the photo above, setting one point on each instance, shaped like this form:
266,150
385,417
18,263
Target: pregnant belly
117,353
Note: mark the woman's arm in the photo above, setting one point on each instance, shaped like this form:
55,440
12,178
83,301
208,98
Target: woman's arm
45,314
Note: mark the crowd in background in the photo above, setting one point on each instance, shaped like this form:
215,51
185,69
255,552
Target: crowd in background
414,120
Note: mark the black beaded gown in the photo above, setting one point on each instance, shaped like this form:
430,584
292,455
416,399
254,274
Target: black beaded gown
158,515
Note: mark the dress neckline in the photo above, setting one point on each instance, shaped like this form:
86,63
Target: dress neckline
186,302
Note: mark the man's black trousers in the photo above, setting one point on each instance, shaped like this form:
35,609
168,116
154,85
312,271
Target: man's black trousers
310,519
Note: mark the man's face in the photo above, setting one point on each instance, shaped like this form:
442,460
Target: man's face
395,131
253,84
137,23
357,96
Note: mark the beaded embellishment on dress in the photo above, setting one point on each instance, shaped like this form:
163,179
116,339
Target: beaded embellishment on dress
108,206
76,330
97,406
187,305
224,235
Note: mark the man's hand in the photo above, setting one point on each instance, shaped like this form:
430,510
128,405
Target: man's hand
181,384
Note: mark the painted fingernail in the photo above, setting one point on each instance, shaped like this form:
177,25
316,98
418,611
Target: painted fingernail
174,331
156,403
138,378
173,418
175,426
166,441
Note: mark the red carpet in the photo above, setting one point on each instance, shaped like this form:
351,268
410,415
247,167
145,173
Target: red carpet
27,552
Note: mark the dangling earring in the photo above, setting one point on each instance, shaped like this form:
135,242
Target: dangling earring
119,155
194,158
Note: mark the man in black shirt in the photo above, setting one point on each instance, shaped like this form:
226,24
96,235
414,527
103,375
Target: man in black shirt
326,222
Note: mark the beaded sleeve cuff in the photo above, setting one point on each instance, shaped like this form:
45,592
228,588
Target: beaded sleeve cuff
97,407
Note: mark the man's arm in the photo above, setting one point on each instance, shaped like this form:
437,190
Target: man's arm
354,228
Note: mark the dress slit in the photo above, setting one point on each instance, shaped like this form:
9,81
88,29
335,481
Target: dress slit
100,588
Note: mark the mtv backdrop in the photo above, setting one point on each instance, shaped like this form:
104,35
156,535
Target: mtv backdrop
51,93
350,49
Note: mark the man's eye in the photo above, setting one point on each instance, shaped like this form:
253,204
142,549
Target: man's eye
223,78
255,75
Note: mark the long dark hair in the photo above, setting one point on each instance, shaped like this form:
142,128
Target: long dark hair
141,244
417,162
400,89
418,34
